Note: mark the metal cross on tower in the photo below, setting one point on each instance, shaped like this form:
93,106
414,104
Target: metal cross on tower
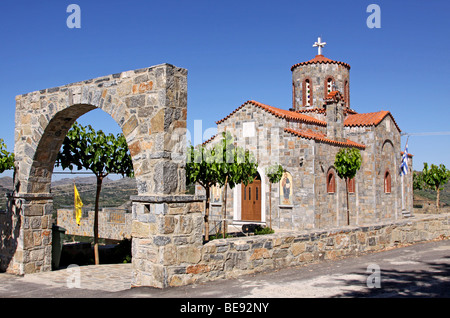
319,44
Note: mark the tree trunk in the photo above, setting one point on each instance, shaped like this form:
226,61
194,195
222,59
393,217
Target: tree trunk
207,215
437,199
97,198
224,207
348,210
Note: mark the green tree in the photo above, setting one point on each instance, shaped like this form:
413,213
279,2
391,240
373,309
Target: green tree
237,166
433,178
83,147
201,168
347,163
221,164
274,173
6,158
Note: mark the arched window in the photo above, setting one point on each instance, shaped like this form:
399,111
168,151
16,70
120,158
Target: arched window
331,182
351,185
329,85
307,92
387,182
346,94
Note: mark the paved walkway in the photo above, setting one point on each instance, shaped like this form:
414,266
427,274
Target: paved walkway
110,278
419,270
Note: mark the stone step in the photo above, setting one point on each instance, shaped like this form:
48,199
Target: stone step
406,214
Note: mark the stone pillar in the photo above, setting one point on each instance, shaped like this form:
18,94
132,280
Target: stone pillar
335,116
167,239
32,242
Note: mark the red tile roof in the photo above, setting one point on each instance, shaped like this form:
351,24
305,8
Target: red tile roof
317,136
323,111
409,154
333,96
210,139
320,59
281,113
368,119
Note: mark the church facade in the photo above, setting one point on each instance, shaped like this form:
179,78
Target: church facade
304,140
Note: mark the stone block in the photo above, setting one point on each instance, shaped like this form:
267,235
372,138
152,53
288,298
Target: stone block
140,229
259,253
189,254
130,125
197,269
298,248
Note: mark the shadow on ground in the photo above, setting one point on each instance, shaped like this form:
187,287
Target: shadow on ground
430,283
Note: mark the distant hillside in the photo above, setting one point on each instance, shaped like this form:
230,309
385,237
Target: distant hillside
430,196
115,193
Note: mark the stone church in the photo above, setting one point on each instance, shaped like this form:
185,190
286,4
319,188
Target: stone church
304,139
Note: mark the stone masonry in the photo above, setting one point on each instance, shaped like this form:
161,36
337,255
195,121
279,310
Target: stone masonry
304,140
150,106
113,224
233,257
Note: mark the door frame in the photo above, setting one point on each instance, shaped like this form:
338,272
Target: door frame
237,203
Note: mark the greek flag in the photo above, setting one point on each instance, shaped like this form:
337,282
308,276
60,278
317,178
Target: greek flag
404,165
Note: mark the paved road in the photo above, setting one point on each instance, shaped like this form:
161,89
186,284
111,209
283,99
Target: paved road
421,270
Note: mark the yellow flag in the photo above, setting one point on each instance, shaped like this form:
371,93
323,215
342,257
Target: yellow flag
78,204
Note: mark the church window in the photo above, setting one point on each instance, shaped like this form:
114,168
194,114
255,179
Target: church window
346,94
307,93
351,185
331,182
329,85
387,182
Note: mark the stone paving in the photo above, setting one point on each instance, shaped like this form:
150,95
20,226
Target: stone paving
110,277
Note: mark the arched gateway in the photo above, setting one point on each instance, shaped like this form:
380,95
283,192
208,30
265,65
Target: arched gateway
150,106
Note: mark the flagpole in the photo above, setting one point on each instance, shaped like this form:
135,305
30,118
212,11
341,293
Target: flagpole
405,155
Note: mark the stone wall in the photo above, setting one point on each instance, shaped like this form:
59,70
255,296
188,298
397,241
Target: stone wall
230,258
149,105
113,224
308,162
167,238
317,73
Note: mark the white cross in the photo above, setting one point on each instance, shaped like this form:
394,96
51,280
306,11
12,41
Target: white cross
319,44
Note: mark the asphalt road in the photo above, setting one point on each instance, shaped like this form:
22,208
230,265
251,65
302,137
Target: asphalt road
420,270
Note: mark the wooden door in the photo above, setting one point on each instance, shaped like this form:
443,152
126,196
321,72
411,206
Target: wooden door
251,201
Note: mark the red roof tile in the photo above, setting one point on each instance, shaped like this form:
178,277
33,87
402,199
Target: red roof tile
323,111
317,136
281,113
368,119
409,154
333,96
210,139
320,59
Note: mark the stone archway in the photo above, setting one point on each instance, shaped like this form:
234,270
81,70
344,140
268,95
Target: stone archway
150,106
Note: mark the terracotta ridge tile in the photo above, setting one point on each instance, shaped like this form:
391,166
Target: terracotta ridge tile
309,134
320,59
281,113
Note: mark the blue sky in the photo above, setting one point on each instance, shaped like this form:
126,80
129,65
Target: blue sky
239,50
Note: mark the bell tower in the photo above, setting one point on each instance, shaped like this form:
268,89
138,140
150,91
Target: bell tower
313,80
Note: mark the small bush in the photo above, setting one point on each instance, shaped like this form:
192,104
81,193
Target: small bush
264,230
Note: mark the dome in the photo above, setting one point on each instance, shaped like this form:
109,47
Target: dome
319,59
